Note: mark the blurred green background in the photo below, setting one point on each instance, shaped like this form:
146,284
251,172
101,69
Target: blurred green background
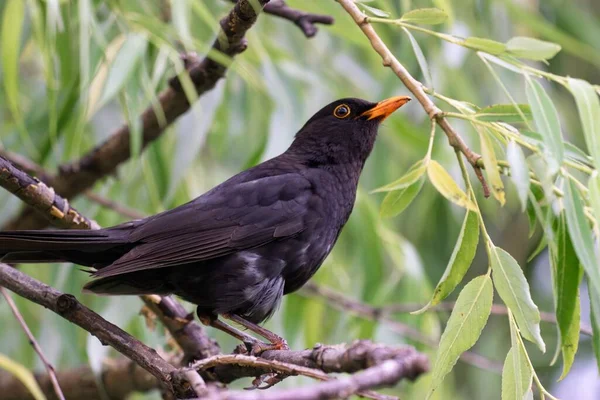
85,67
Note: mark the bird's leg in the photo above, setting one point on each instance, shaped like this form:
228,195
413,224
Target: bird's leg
277,342
253,345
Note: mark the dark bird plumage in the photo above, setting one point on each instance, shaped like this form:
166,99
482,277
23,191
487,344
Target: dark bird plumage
242,245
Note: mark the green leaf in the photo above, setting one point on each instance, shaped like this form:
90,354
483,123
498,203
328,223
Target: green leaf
514,291
491,166
395,202
595,321
466,322
413,174
532,49
594,186
516,374
420,58
460,261
567,275
505,113
375,11
519,173
12,26
24,375
130,53
547,122
581,235
487,45
444,184
588,106
425,16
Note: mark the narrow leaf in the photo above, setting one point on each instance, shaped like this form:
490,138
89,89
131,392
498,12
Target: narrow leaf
589,113
519,173
532,49
413,174
581,235
425,16
514,291
420,58
10,45
466,322
594,186
568,274
24,375
491,166
487,45
444,184
516,374
595,321
460,261
395,202
505,113
546,120
375,11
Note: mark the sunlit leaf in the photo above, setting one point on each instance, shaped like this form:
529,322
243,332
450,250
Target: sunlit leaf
594,187
491,166
487,45
420,59
413,174
460,261
466,322
581,235
425,16
504,113
588,106
395,202
519,173
24,375
513,288
516,374
447,187
375,11
532,49
546,120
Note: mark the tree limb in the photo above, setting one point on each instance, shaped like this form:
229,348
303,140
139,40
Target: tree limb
415,87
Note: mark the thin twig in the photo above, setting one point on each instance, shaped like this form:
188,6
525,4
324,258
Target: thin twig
36,347
415,87
303,20
342,302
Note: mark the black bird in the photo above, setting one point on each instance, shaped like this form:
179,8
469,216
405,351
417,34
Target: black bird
238,248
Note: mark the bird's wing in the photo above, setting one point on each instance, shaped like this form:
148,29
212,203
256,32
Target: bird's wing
232,217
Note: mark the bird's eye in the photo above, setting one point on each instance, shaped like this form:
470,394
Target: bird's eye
341,111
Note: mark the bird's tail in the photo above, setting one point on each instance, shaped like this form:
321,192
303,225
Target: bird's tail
93,248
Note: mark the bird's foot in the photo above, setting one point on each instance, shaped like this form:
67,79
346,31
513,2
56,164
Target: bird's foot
266,381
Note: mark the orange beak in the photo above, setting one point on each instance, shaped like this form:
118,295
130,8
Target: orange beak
385,108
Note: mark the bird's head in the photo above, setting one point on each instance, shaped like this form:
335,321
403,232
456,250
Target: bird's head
344,131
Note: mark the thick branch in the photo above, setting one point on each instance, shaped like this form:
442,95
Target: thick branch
68,307
415,87
42,198
77,177
388,373
118,379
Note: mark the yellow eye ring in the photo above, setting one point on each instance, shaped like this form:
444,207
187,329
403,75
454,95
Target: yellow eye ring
341,111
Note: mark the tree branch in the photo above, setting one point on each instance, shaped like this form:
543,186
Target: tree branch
68,307
78,176
305,21
415,87
118,379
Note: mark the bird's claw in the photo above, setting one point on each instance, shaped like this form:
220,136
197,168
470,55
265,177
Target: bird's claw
269,381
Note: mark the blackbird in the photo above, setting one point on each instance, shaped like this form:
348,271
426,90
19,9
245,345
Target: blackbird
237,249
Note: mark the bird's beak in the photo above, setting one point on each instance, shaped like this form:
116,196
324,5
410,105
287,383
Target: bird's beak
385,108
